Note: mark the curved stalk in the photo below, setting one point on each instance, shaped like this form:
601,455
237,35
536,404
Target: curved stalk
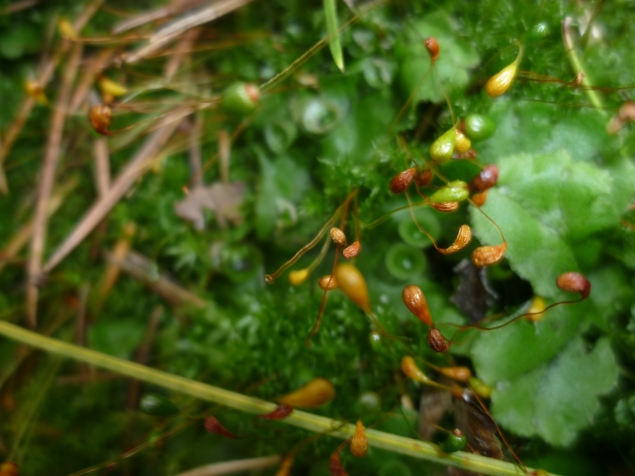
378,439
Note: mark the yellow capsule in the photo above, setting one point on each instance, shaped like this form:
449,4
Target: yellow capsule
9,468
66,29
462,143
359,443
462,374
298,277
488,255
481,388
314,394
535,309
352,283
112,88
33,89
338,236
410,369
498,84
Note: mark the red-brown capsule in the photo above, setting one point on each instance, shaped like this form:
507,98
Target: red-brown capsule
485,179
338,236
359,443
100,117
436,341
469,154
423,178
445,207
488,255
573,282
212,425
433,48
462,374
463,238
281,411
352,250
328,282
9,468
335,465
415,301
402,180
480,198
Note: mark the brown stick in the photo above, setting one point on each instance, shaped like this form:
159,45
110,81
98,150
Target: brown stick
46,184
141,268
142,354
236,466
102,166
137,166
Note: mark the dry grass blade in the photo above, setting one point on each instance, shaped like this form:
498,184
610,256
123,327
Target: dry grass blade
168,33
141,268
175,7
137,166
23,235
51,157
102,165
91,69
237,466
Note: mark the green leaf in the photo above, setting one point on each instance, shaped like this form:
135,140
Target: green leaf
535,251
559,398
332,28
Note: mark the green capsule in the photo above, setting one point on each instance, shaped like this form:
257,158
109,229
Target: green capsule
240,99
454,442
479,127
368,402
157,405
455,191
538,32
441,150
375,339
404,261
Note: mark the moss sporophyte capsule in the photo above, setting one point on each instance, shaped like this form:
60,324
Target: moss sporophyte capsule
478,127
454,442
503,80
240,99
441,150
359,443
455,191
352,283
415,301
314,394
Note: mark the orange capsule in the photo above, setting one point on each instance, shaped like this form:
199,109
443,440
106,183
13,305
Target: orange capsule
463,238
352,283
462,374
410,370
436,341
573,282
9,468
480,198
314,394
415,301
338,236
488,255
424,178
285,466
328,282
352,250
402,180
485,179
433,48
100,117
359,443
445,207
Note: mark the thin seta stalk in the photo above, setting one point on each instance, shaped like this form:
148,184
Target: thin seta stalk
378,439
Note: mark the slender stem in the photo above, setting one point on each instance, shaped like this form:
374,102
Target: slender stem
576,64
308,421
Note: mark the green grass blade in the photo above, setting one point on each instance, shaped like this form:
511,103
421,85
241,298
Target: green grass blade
378,439
332,28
